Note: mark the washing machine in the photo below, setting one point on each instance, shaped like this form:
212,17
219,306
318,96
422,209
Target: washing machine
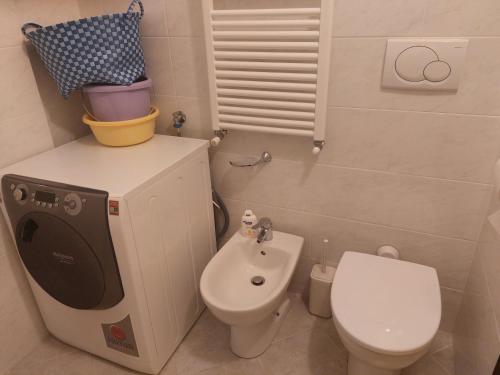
113,243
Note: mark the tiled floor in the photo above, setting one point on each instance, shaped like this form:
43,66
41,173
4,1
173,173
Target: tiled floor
304,345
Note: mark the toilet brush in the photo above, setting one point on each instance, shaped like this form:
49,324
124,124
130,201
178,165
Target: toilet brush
323,260
321,285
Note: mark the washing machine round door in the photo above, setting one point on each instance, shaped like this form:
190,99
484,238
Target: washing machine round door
60,260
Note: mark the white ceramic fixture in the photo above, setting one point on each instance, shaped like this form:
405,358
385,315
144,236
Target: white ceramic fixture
424,64
114,241
386,311
228,287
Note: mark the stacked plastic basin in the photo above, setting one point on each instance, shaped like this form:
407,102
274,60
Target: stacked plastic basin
121,115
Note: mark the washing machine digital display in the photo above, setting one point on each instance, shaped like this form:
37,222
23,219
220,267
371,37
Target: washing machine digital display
44,196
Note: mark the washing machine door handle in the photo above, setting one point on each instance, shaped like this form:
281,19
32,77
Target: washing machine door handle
28,230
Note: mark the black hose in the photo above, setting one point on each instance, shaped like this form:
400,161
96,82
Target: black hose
221,207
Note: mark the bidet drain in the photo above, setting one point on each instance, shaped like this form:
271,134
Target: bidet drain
258,280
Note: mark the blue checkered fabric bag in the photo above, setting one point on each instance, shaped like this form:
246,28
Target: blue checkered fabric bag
104,49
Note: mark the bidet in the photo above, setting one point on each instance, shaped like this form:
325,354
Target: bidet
245,285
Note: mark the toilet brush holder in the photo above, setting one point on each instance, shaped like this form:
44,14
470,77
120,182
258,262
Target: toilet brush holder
320,289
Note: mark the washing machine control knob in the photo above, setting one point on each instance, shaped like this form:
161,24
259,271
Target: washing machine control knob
72,204
20,194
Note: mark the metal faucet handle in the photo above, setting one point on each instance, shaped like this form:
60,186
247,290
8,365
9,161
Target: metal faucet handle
265,223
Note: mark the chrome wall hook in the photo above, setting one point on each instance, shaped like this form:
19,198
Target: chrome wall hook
266,157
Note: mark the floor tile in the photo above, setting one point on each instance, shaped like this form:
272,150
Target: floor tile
427,367
205,347
305,345
54,358
442,340
308,352
446,358
297,319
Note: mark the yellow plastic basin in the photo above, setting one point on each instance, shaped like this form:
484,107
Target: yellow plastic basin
124,133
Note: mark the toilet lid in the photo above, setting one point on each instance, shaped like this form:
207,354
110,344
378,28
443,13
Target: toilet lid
386,305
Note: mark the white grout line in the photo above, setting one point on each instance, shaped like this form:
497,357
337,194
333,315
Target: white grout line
414,37
416,111
440,365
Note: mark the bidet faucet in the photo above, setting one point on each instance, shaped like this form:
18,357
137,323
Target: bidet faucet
265,227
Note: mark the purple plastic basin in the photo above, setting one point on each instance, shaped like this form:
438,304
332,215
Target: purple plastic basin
119,103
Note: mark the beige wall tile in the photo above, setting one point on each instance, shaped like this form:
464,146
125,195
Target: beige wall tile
426,144
450,300
198,117
356,74
18,91
64,116
184,17
47,12
10,27
476,281
447,208
24,136
281,146
167,105
154,22
89,8
158,65
416,18
189,65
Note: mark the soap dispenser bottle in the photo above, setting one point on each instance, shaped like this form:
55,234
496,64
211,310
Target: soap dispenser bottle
248,220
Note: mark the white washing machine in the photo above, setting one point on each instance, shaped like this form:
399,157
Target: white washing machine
114,241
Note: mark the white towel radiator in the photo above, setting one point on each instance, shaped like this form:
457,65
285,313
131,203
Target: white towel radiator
268,70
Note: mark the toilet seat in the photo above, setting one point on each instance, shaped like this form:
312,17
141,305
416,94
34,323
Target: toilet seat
385,305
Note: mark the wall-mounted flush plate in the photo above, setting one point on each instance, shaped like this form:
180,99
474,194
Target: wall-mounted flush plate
418,64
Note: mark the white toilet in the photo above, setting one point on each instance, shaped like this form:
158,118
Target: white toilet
386,312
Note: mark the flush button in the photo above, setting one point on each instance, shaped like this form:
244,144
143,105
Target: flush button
410,62
437,71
